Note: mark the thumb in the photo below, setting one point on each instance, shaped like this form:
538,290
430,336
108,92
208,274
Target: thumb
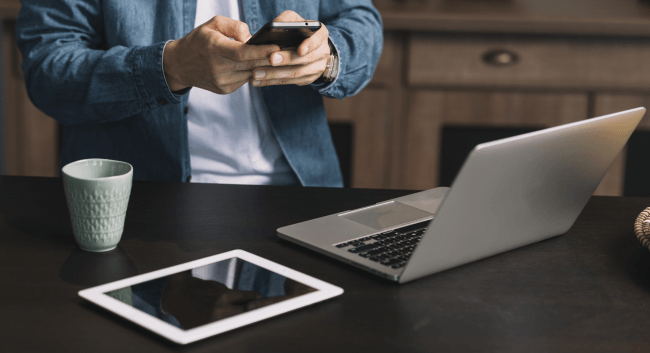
288,16
230,28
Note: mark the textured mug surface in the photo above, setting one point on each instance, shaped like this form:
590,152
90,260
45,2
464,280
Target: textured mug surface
97,192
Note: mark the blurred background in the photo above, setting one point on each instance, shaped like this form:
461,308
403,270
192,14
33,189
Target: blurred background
454,73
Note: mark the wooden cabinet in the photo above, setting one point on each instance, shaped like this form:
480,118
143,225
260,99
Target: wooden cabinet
551,81
528,62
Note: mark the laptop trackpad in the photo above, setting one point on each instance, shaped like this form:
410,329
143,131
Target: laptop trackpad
385,215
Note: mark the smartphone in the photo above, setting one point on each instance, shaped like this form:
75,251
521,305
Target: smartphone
284,34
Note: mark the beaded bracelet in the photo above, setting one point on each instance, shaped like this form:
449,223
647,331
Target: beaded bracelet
332,68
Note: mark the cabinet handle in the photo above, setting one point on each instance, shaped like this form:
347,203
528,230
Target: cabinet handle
500,57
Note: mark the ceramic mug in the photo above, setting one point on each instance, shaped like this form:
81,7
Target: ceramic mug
97,192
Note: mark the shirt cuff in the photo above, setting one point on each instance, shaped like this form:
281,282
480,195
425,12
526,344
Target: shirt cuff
150,77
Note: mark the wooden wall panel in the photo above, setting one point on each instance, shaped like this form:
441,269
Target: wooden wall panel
368,114
612,184
429,110
390,76
376,115
611,103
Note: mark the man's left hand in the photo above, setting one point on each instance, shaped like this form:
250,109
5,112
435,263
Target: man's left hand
298,67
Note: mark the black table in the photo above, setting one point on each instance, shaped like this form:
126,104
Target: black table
587,290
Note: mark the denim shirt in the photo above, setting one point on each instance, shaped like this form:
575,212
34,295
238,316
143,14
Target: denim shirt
96,67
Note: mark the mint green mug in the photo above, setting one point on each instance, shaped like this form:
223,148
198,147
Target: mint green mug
97,192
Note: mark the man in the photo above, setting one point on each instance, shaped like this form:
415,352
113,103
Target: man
108,72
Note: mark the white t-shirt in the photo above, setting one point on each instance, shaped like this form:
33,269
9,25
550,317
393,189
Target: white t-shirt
230,137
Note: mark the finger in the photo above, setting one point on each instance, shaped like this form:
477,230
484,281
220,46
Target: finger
302,81
224,27
291,57
314,42
242,52
292,71
288,16
230,28
286,57
251,64
223,80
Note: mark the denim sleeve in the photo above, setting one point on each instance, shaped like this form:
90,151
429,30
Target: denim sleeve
70,74
356,30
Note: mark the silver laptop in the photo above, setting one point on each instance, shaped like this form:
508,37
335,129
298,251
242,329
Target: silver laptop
509,193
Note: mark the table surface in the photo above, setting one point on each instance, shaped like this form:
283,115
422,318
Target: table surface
588,289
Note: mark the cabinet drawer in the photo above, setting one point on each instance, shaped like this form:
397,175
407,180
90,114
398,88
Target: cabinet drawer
528,62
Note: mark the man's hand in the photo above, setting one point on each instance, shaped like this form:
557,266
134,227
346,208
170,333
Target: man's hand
207,58
299,67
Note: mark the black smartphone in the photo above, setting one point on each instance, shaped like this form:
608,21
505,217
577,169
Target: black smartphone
284,34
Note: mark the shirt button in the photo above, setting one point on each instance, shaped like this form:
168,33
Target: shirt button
162,101
186,110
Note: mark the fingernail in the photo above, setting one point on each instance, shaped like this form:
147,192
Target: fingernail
260,74
256,83
276,59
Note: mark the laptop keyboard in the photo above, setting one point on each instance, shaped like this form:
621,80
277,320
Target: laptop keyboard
392,248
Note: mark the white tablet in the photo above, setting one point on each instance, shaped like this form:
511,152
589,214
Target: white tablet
198,299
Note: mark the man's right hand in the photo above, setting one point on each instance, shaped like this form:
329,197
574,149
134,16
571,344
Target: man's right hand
207,58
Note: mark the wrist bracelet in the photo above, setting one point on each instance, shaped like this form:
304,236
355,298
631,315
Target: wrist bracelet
332,68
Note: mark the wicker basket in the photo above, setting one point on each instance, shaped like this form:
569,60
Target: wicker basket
642,228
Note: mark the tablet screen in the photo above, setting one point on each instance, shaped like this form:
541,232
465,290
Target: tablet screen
210,293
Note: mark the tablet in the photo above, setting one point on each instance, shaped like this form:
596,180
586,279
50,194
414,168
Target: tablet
206,297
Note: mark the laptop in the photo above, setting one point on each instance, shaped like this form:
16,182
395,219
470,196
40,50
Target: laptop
508,193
